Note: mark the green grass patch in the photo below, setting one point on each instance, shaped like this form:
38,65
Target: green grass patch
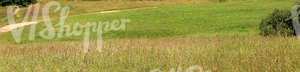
196,20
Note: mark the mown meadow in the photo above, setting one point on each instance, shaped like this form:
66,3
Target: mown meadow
220,37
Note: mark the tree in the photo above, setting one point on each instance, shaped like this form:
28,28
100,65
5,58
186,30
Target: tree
19,3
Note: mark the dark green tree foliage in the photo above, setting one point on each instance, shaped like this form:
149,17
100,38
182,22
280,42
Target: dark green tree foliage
277,23
20,3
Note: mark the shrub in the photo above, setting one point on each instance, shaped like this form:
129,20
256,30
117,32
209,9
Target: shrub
20,3
277,24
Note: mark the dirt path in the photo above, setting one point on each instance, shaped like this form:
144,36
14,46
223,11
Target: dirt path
10,27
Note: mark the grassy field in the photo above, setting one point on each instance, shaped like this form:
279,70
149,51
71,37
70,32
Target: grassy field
226,54
196,20
220,37
84,7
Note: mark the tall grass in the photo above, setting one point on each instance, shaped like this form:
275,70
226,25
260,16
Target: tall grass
227,54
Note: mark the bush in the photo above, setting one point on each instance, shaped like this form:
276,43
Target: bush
20,3
277,24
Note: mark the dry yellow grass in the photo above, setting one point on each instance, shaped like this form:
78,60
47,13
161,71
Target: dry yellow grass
228,54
